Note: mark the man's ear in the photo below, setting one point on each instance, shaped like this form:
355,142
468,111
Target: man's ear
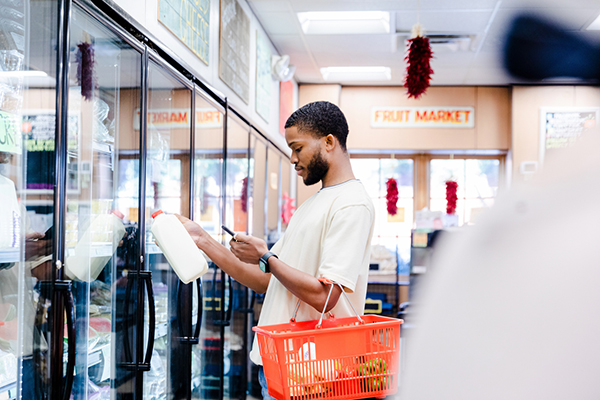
330,142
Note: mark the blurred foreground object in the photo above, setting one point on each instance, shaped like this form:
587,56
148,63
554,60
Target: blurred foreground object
510,310
537,49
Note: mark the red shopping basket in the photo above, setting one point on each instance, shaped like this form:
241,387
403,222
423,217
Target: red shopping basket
337,358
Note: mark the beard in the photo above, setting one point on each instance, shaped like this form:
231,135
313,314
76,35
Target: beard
316,169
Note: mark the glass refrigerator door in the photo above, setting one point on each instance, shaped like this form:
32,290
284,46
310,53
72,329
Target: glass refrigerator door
258,158
101,237
236,295
274,196
207,358
286,200
167,189
258,154
27,179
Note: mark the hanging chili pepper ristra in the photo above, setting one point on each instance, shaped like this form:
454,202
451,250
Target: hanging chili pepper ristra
418,58
391,196
85,69
451,197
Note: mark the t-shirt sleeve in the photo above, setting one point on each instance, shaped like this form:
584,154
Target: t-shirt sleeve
345,244
277,246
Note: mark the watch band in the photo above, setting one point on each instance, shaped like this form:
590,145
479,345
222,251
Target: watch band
263,263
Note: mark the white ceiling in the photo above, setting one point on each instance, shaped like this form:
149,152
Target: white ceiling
486,21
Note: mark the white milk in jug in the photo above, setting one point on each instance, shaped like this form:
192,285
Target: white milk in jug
177,245
95,247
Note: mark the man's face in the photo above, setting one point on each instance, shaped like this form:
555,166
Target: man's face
307,155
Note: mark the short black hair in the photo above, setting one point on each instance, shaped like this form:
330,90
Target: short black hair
321,118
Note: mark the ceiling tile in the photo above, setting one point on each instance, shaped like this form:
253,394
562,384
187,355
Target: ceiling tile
549,3
458,4
279,23
480,66
487,59
288,43
269,5
486,76
448,76
352,5
458,59
444,21
329,59
357,44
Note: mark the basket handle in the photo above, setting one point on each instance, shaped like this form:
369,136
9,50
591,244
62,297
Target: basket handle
326,281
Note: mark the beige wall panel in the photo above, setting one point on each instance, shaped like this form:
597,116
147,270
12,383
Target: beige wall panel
237,135
309,93
586,96
128,137
356,103
526,103
492,118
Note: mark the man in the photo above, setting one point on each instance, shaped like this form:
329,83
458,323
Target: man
328,236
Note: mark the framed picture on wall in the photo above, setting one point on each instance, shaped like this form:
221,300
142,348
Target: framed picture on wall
37,130
560,127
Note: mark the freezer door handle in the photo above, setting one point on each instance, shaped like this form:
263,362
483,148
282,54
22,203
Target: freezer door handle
200,303
226,321
195,339
129,363
147,278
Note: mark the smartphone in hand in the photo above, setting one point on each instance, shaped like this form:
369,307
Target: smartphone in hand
226,229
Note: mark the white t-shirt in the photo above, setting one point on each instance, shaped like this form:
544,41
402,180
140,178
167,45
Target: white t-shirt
328,236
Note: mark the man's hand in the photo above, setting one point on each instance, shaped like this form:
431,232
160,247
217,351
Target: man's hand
36,245
248,249
199,235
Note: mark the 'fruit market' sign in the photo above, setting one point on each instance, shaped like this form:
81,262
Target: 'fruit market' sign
422,117
180,118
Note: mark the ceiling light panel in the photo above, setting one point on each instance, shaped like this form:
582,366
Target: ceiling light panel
344,74
344,22
595,25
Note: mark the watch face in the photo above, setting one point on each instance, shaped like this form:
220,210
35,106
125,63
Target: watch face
262,265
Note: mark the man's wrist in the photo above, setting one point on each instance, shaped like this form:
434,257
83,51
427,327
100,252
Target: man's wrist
263,262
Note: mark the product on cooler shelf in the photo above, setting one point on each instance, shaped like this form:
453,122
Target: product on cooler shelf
8,368
100,324
178,247
105,229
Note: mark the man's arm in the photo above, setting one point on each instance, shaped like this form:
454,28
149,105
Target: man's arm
302,285
342,256
247,274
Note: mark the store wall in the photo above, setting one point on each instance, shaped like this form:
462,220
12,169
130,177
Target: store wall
526,103
492,119
146,14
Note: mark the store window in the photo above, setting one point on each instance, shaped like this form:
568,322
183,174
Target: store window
392,232
477,185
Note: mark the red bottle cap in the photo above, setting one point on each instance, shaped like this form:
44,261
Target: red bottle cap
157,213
118,214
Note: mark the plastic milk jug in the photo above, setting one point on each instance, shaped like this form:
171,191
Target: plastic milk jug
177,245
96,247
